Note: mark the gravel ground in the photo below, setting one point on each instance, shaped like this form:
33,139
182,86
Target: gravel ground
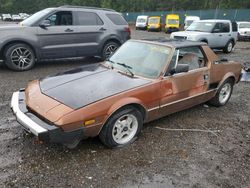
159,158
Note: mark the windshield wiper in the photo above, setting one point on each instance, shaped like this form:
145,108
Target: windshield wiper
112,62
128,68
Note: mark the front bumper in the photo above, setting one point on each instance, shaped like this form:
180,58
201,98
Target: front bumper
44,131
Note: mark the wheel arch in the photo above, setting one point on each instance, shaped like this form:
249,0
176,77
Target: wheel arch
125,103
229,75
17,42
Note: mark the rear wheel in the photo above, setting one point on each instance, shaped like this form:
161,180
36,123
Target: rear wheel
19,57
223,94
109,49
229,47
122,128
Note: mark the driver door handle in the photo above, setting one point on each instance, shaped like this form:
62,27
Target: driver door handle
69,30
102,29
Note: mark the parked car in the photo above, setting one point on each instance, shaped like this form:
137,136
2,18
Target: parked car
172,23
6,17
63,32
142,81
141,22
154,23
189,20
243,30
218,34
16,18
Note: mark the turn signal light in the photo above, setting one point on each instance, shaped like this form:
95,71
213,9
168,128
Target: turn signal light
89,122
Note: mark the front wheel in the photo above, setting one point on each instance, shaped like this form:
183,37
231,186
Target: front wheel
19,57
223,94
109,49
122,128
229,47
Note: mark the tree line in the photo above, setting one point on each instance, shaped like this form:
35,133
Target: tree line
31,6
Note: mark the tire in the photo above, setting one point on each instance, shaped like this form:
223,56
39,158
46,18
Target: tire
122,128
229,47
19,57
108,49
223,94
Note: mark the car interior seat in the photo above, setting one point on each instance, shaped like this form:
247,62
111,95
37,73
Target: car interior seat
190,59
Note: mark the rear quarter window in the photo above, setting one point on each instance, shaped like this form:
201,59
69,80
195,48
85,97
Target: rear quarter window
117,19
234,27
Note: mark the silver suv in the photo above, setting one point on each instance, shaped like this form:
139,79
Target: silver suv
63,32
218,34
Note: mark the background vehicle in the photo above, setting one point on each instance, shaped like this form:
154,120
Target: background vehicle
154,23
23,16
142,81
141,22
189,20
16,17
218,34
172,23
63,32
6,17
243,30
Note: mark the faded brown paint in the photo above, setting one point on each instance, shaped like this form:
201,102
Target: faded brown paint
161,97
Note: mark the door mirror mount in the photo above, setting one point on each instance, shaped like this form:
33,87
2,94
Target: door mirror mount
45,24
216,31
180,69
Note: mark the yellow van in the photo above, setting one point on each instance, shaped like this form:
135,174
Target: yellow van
172,23
154,23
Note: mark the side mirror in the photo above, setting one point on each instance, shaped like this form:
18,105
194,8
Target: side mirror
45,24
216,31
179,69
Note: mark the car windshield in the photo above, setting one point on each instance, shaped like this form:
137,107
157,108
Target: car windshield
141,58
141,20
154,20
35,17
189,22
201,26
244,25
173,21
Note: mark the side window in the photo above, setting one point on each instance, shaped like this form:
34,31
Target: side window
225,27
234,27
88,18
61,18
222,27
191,56
117,19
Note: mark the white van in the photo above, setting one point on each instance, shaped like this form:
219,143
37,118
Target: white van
141,22
189,20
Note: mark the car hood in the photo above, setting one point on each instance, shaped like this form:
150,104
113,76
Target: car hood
85,85
10,27
189,33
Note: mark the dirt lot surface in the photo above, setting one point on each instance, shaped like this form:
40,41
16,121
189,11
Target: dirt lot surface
159,158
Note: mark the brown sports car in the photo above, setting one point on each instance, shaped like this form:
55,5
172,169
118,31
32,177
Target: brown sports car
142,81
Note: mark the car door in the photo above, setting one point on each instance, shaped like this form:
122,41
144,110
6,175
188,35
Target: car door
58,38
220,34
91,31
183,90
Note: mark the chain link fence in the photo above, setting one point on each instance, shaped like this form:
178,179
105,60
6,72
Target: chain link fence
229,14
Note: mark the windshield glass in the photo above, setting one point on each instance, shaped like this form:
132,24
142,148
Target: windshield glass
35,17
189,22
141,20
201,26
244,25
154,20
143,59
173,21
